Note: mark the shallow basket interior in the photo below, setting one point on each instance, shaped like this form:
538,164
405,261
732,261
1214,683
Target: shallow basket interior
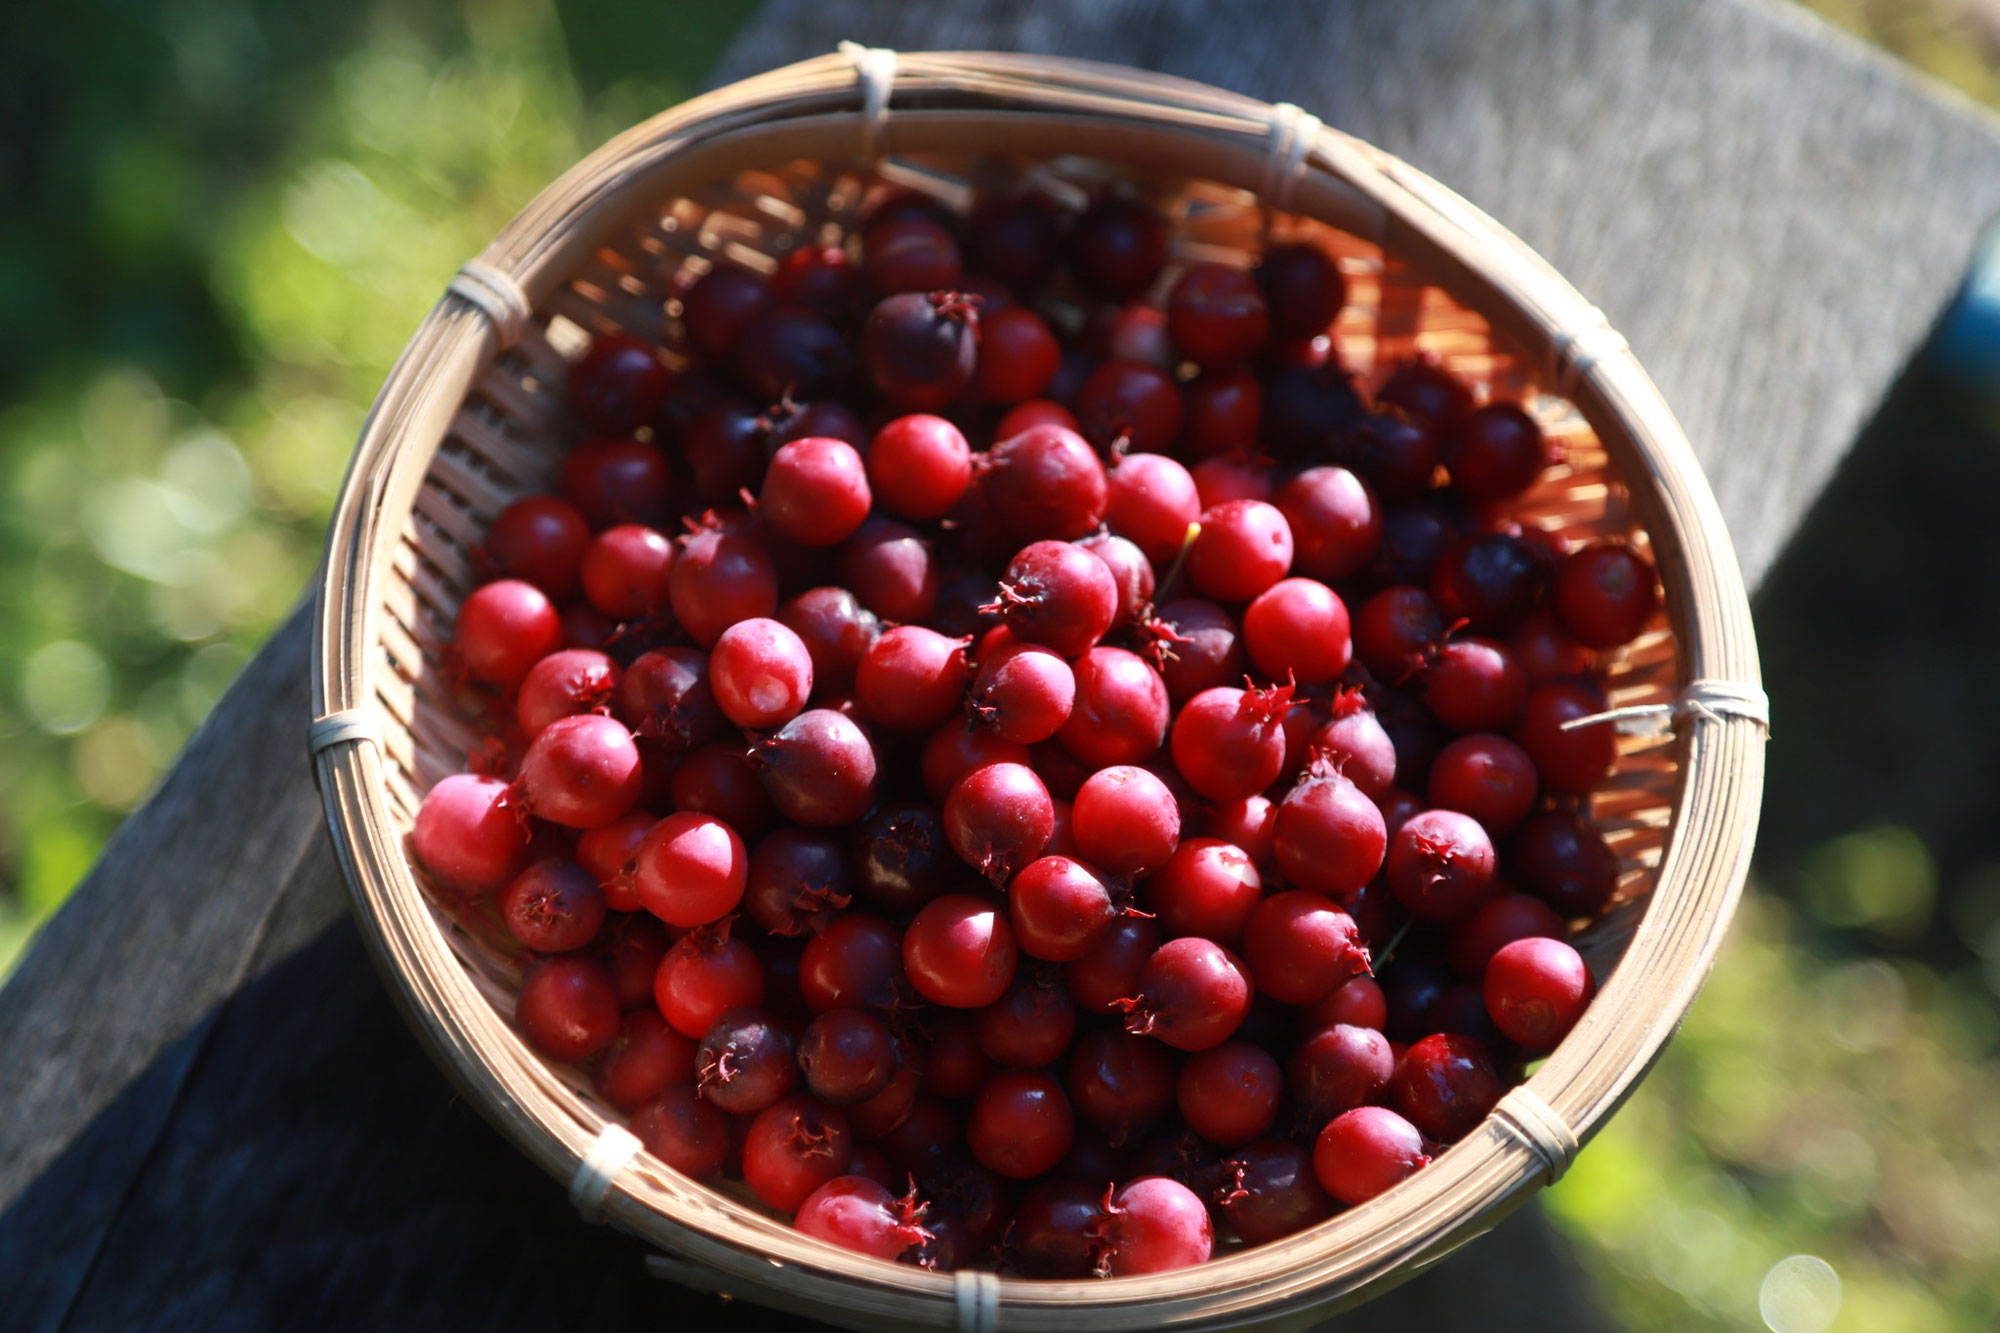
513,428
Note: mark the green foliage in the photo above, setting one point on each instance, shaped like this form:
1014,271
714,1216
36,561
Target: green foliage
237,213
1813,1103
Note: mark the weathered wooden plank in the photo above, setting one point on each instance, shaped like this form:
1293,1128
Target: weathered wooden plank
1771,212
224,869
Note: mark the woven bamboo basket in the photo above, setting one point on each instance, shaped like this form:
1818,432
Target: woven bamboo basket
471,417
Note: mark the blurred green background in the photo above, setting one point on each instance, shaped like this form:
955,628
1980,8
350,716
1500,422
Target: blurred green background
224,217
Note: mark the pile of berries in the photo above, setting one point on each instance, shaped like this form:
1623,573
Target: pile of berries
1013,757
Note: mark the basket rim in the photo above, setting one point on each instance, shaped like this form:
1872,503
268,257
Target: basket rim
1342,179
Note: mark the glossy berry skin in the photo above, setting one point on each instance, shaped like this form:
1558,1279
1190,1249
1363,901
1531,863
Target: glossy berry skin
1023,693
1202,645
1302,287
466,836
1335,521
1427,391
954,1064
1229,1094
1604,595
664,697
902,859
1126,821
1300,947
1329,837
919,466
891,568
1031,1025
1271,1191
619,384
791,351
691,869
1221,414
999,818
1494,453
1154,1225
1119,1083
1018,356
582,771
1395,630
1207,888
1217,316
504,628
1058,595
794,1147
1365,1151
1020,1125
846,1055
644,1060
1491,582
961,745
1230,743
959,952
1126,406
1561,859
1307,407
818,277
1337,1069
1153,500
717,580
1131,574
1355,741
818,769
563,684
1109,970
1193,994
1536,990
745,1062
921,349
1441,866
836,630
1500,921
1120,713
1118,247
612,481
1475,684
1444,1085
1297,629
1245,546
722,780
910,253
816,491
760,673
553,906
1569,762
540,540
856,962
704,976
1546,652
1359,1003
1045,483
567,1008
1050,1236
796,882
859,1214
1059,908
1485,776
719,306
684,1132
911,679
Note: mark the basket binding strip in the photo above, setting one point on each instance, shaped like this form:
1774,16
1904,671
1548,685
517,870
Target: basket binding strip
471,418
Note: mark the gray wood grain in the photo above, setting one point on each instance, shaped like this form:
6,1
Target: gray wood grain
1772,213
205,1124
